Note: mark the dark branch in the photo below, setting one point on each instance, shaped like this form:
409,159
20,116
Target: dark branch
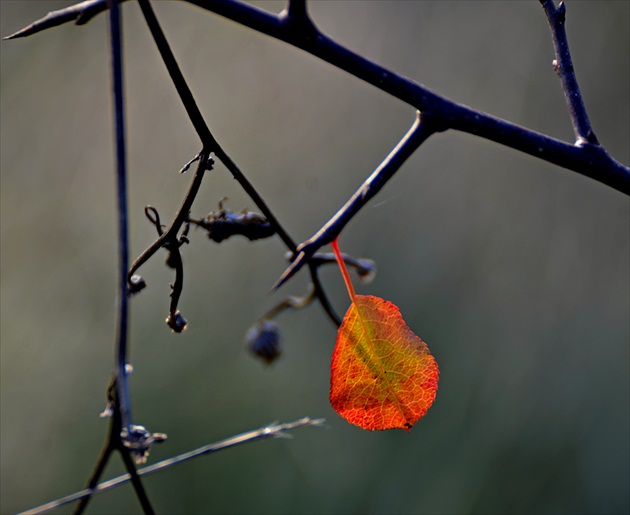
120,366
592,161
419,132
563,65
101,462
170,240
182,88
210,144
589,160
136,482
118,392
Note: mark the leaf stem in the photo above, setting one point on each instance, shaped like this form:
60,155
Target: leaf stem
344,270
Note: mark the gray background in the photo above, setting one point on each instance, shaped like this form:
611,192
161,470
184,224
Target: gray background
513,270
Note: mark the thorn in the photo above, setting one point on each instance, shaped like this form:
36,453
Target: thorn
80,13
189,163
293,268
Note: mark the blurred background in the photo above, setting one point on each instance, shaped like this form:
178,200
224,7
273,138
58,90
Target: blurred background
514,271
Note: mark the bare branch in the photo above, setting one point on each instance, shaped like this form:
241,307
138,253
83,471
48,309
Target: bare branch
290,26
418,133
563,65
592,161
210,144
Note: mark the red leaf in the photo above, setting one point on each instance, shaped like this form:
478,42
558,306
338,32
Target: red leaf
382,375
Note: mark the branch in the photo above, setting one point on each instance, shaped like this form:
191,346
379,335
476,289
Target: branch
210,144
295,28
120,365
590,160
122,432
418,133
274,430
171,241
564,68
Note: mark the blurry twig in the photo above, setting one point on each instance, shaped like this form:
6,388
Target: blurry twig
210,144
274,430
170,238
291,27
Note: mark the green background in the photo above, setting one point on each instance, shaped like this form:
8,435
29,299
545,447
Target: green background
513,270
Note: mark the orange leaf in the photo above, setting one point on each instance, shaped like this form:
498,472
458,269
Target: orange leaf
382,375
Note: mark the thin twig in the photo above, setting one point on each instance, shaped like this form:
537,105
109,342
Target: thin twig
274,430
321,295
563,65
169,236
138,487
99,468
122,319
194,114
417,134
210,144
589,160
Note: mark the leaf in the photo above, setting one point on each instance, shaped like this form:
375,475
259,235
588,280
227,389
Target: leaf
382,375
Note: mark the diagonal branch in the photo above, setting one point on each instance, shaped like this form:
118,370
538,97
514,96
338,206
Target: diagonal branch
169,236
418,133
295,28
121,426
207,139
212,145
122,330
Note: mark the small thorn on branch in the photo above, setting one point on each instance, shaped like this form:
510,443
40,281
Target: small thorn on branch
80,13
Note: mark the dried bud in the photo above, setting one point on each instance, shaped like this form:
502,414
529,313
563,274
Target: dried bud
171,261
224,223
108,412
138,440
176,322
366,270
263,340
136,284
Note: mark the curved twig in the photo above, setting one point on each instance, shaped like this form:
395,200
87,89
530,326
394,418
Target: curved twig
210,144
590,160
169,237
